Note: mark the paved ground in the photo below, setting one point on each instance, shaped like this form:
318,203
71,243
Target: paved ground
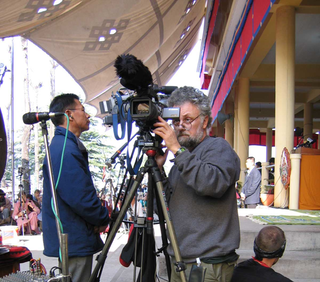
114,272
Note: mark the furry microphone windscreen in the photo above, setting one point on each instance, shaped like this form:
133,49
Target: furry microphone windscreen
133,73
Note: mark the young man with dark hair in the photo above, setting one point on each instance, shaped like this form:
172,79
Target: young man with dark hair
268,247
81,213
200,188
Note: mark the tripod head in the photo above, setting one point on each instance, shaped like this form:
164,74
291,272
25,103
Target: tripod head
147,142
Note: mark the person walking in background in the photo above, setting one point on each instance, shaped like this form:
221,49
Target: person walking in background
200,188
81,213
5,208
268,247
250,192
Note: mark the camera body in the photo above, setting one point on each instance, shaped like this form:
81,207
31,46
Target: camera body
142,99
144,108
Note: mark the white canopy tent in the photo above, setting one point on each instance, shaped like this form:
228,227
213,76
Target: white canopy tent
86,36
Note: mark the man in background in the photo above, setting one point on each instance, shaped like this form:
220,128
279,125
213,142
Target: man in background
37,197
250,192
200,188
38,201
271,171
81,213
5,207
268,247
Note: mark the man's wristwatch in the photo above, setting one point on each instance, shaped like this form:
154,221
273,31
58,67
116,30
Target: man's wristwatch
180,150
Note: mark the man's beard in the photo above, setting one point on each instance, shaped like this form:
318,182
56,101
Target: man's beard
190,142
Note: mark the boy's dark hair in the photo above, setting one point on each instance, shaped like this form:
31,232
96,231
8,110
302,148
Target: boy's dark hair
269,243
60,104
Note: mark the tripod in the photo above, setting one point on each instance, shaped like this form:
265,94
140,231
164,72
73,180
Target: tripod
155,181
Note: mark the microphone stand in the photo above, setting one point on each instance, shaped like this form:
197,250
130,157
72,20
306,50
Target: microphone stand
63,238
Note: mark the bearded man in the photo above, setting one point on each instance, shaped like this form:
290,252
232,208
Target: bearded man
201,188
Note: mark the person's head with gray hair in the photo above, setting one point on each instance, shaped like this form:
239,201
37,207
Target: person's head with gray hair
194,96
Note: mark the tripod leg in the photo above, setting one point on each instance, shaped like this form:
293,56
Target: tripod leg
163,236
103,255
165,209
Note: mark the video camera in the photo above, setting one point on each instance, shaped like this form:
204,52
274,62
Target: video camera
142,99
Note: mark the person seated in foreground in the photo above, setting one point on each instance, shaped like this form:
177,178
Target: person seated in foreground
268,247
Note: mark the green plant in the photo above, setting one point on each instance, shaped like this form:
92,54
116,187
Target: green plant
239,186
267,189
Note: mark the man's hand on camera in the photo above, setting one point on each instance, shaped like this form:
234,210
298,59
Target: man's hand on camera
166,132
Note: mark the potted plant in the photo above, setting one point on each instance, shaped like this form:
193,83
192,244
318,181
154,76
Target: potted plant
267,195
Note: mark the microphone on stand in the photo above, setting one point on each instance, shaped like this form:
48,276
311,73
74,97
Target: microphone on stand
309,142
34,117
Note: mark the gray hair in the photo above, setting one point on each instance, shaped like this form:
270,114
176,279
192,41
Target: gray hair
194,96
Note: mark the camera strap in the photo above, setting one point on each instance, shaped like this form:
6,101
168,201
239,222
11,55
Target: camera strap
119,111
133,170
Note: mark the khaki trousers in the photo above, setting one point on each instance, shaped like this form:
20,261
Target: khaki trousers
80,268
221,272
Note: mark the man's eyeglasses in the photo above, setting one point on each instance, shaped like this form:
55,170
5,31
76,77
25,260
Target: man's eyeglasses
186,123
82,109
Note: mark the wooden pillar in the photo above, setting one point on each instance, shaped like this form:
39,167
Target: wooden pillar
308,121
243,124
229,124
268,144
295,181
236,121
285,89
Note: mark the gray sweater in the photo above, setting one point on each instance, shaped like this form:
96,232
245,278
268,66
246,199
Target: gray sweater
202,200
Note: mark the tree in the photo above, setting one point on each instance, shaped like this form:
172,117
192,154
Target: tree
54,65
26,128
7,171
98,149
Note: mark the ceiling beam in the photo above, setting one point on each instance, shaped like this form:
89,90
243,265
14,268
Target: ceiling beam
263,124
262,113
308,10
315,114
258,124
266,72
312,96
293,3
316,125
298,84
262,97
